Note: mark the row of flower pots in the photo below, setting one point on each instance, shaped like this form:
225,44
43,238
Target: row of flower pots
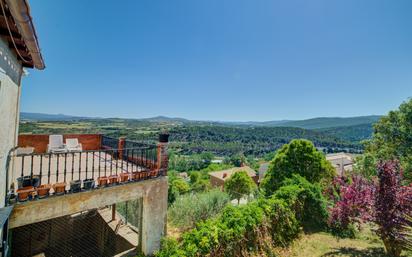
125,177
30,190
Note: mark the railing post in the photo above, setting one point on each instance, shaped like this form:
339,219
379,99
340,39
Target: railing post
113,212
162,156
121,146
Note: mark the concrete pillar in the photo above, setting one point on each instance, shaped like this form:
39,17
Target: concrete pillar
162,156
121,146
154,218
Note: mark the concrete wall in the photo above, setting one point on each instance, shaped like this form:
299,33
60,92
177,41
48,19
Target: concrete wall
40,142
153,194
10,74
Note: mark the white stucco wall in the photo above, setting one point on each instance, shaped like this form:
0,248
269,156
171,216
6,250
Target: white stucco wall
10,73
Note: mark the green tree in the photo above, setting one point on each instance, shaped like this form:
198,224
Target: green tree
237,159
298,157
392,138
239,185
365,165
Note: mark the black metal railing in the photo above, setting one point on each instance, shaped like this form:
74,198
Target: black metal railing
81,170
141,154
109,142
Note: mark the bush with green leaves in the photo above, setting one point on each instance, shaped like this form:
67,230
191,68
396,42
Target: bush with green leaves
254,227
177,186
306,200
189,209
298,157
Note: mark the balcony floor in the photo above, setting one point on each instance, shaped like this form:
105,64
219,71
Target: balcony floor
66,168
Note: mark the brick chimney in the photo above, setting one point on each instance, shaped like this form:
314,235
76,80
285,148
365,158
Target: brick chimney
162,156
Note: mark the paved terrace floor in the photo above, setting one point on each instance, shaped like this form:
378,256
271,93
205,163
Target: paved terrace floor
66,168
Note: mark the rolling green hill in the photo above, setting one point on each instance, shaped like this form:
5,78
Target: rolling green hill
330,122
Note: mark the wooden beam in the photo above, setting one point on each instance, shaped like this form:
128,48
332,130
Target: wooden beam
5,32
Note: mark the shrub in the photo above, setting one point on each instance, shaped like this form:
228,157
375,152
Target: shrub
283,225
170,248
298,157
355,200
306,200
189,209
253,227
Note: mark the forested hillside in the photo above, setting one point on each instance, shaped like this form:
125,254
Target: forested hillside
355,133
331,122
224,139
251,141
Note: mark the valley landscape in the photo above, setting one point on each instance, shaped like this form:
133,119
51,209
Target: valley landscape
220,138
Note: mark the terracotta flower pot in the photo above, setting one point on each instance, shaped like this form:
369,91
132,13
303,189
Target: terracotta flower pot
43,190
124,177
102,181
24,193
59,188
144,174
135,175
113,179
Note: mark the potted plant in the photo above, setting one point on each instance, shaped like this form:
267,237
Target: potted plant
35,181
24,193
113,179
124,177
24,181
154,173
88,184
59,188
75,186
102,181
43,190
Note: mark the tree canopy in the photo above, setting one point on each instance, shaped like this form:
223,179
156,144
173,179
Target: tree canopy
298,157
239,185
392,138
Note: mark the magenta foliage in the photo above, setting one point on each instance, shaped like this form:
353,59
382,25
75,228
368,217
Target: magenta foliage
393,204
355,201
387,203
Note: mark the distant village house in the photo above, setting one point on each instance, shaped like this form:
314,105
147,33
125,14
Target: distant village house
218,178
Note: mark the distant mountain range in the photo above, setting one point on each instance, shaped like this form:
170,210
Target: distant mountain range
314,123
32,116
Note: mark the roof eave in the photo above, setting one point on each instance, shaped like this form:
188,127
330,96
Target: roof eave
20,11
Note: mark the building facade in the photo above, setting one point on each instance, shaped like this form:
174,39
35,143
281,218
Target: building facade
19,49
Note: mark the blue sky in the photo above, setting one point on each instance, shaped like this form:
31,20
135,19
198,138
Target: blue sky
221,60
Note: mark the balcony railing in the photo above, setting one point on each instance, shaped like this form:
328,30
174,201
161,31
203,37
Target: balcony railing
39,175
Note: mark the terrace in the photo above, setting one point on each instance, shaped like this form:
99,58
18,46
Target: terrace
44,186
103,161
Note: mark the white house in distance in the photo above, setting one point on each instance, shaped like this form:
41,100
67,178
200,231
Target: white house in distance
342,162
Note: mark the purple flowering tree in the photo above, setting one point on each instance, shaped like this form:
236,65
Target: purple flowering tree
393,204
387,203
355,202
